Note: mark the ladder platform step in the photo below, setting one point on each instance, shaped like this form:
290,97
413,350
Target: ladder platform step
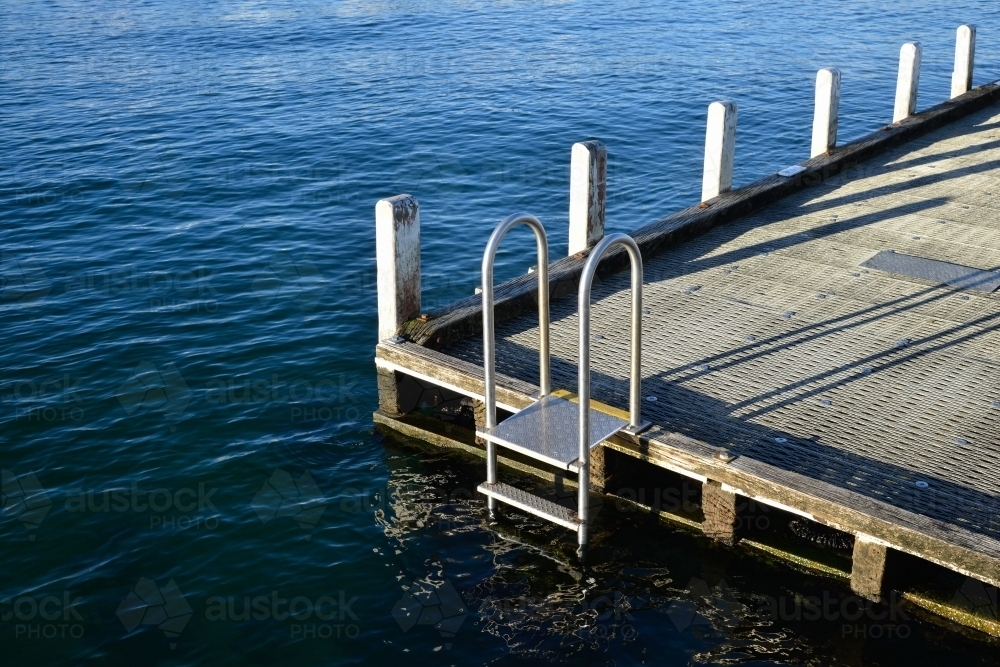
549,430
529,502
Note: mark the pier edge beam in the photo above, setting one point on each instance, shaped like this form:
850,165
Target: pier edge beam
397,258
907,81
587,194
868,567
827,113
720,149
721,515
965,56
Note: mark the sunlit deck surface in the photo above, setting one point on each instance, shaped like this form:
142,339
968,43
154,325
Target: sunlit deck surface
770,337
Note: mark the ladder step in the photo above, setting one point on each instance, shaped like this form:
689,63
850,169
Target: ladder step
549,431
529,502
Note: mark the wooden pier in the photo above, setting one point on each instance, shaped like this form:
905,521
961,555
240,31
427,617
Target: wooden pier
788,356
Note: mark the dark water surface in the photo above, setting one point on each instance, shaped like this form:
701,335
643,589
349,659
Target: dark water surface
188,317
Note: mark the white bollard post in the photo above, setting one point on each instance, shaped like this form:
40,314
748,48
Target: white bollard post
588,178
907,81
827,111
965,56
397,254
720,148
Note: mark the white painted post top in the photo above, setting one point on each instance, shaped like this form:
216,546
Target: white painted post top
907,81
965,56
720,149
827,112
397,253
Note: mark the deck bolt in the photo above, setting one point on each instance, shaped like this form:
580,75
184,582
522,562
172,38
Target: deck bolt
645,311
651,399
961,441
866,370
781,440
995,404
921,484
751,338
902,342
703,367
787,315
725,456
826,401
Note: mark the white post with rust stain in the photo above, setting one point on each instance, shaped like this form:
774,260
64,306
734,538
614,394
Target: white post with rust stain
827,111
965,56
720,149
397,253
907,81
588,180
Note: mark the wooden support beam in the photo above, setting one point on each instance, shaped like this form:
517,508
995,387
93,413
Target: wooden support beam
720,149
965,56
720,512
388,392
826,115
907,81
868,567
397,255
587,194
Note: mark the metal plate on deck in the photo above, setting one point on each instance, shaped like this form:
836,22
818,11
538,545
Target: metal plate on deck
548,430
934,270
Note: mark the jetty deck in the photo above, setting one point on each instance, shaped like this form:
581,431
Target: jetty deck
856,387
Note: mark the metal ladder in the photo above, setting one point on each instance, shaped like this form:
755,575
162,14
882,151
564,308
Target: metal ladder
553,430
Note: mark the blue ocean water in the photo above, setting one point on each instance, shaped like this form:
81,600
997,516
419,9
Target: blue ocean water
188,317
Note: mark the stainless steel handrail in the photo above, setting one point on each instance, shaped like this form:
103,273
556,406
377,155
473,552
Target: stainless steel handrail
635,381
489,343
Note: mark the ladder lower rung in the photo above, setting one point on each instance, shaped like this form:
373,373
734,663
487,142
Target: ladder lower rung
529,502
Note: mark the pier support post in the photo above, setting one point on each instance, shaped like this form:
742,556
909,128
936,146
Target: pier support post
588,180
827,112
907,81
868,568
720,149
965,56
397,255
719,508
479,415
600,469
